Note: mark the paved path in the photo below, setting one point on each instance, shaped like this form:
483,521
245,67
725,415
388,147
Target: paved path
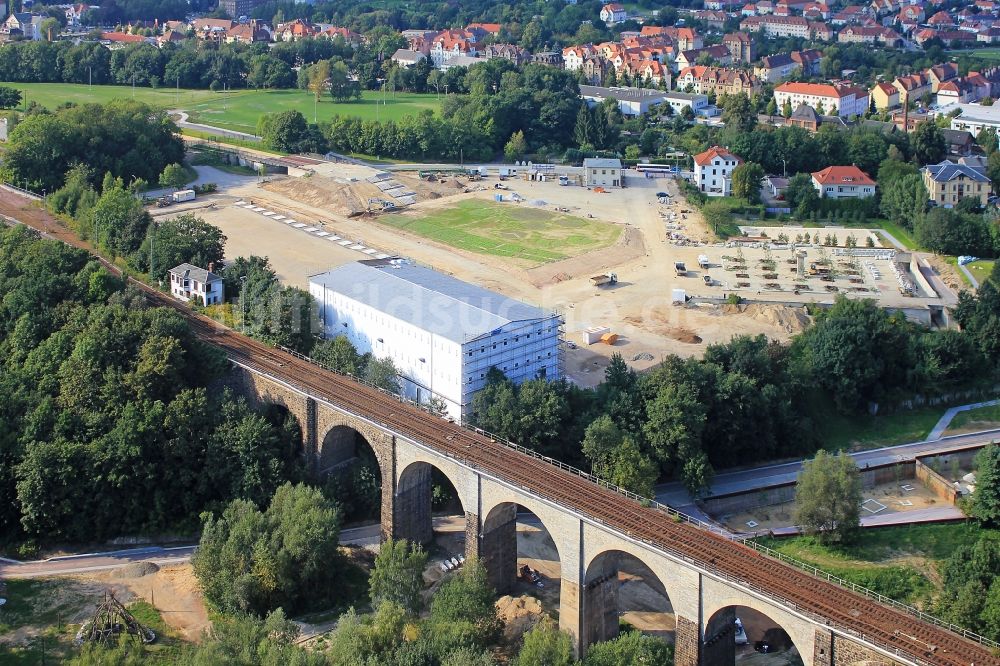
183,123
892,239
726,483
968,274
86,562
945,421
937,514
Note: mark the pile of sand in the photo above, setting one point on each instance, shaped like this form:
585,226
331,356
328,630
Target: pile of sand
328,193
519,615
790,319
135,570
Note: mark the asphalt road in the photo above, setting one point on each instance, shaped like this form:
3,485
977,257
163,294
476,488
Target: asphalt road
744,480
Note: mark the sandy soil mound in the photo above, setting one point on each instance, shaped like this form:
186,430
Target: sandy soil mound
519,615
135,570
328,193
791,319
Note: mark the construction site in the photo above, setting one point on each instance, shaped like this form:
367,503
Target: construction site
541,237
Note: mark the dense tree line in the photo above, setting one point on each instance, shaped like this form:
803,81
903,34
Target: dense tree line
746,400
125,138
107,425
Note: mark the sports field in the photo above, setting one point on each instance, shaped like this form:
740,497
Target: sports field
519,231
237,110
984,53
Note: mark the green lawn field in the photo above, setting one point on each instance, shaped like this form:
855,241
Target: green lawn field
510,230
242,109
238,110
985,53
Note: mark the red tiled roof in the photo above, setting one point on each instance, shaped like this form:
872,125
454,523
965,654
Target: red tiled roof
706,157
842,175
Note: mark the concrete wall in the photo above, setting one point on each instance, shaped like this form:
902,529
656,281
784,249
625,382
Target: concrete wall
936,483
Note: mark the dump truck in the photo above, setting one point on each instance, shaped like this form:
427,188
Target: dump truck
680,268
182,195
604,279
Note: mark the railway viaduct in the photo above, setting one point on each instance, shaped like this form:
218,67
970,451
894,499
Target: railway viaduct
591,548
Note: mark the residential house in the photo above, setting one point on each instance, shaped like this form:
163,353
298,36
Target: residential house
912,87
741,47
350,37
949,182
248,33
214,30
170,37
484,30
856,34
515,54
942,73
406,58
293,31
683,38
885,96
118,40
573,56
595,68
613,13
816,11
718,53
773,69
714,19
703,80
649,72
189,282
787,26
960,142
843,101
807,118
450,44
713,171
941,20
603,172
25,24
911,14
843,182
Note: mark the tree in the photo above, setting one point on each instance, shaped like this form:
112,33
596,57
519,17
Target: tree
342,88
282,131
382,373
986,498
772,107
993,168
183,239
516,147
397,576
463,613
252,562
928,143
828,497
786,109
319,76
338,355
738,113
801,195
174,175
718,216
546,645
629,649
117,220
746,181
987,140
904,196
9,97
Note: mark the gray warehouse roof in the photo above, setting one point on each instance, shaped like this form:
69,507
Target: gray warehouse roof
601,163
429,300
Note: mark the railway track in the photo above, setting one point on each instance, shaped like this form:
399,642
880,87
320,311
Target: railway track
848,612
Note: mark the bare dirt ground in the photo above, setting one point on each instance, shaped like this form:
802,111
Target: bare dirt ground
174,591
638,308
948,273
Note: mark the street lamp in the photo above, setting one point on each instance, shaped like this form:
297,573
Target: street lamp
243,302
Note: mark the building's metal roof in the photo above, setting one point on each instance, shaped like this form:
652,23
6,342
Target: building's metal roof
195,273
948,170
427,299
602,163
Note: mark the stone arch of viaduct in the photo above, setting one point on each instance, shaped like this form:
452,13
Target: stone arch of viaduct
586,603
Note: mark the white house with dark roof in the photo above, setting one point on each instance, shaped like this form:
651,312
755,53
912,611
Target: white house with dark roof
442,334
189,282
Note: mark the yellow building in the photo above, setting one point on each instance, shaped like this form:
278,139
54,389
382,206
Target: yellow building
949,182
885,96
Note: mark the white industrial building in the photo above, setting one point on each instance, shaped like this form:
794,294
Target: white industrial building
442,334
631,102
603,172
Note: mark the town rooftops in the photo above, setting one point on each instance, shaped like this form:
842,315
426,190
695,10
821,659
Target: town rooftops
948,170
427,299
819,89
705,158
842,175
195,273
602,163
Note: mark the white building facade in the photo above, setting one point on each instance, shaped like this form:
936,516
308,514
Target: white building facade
713,171
602,172
848,100
442,334
188,282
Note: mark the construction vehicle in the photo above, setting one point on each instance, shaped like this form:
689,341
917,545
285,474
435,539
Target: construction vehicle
814,269
604,279
380,204
703,260
680,268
